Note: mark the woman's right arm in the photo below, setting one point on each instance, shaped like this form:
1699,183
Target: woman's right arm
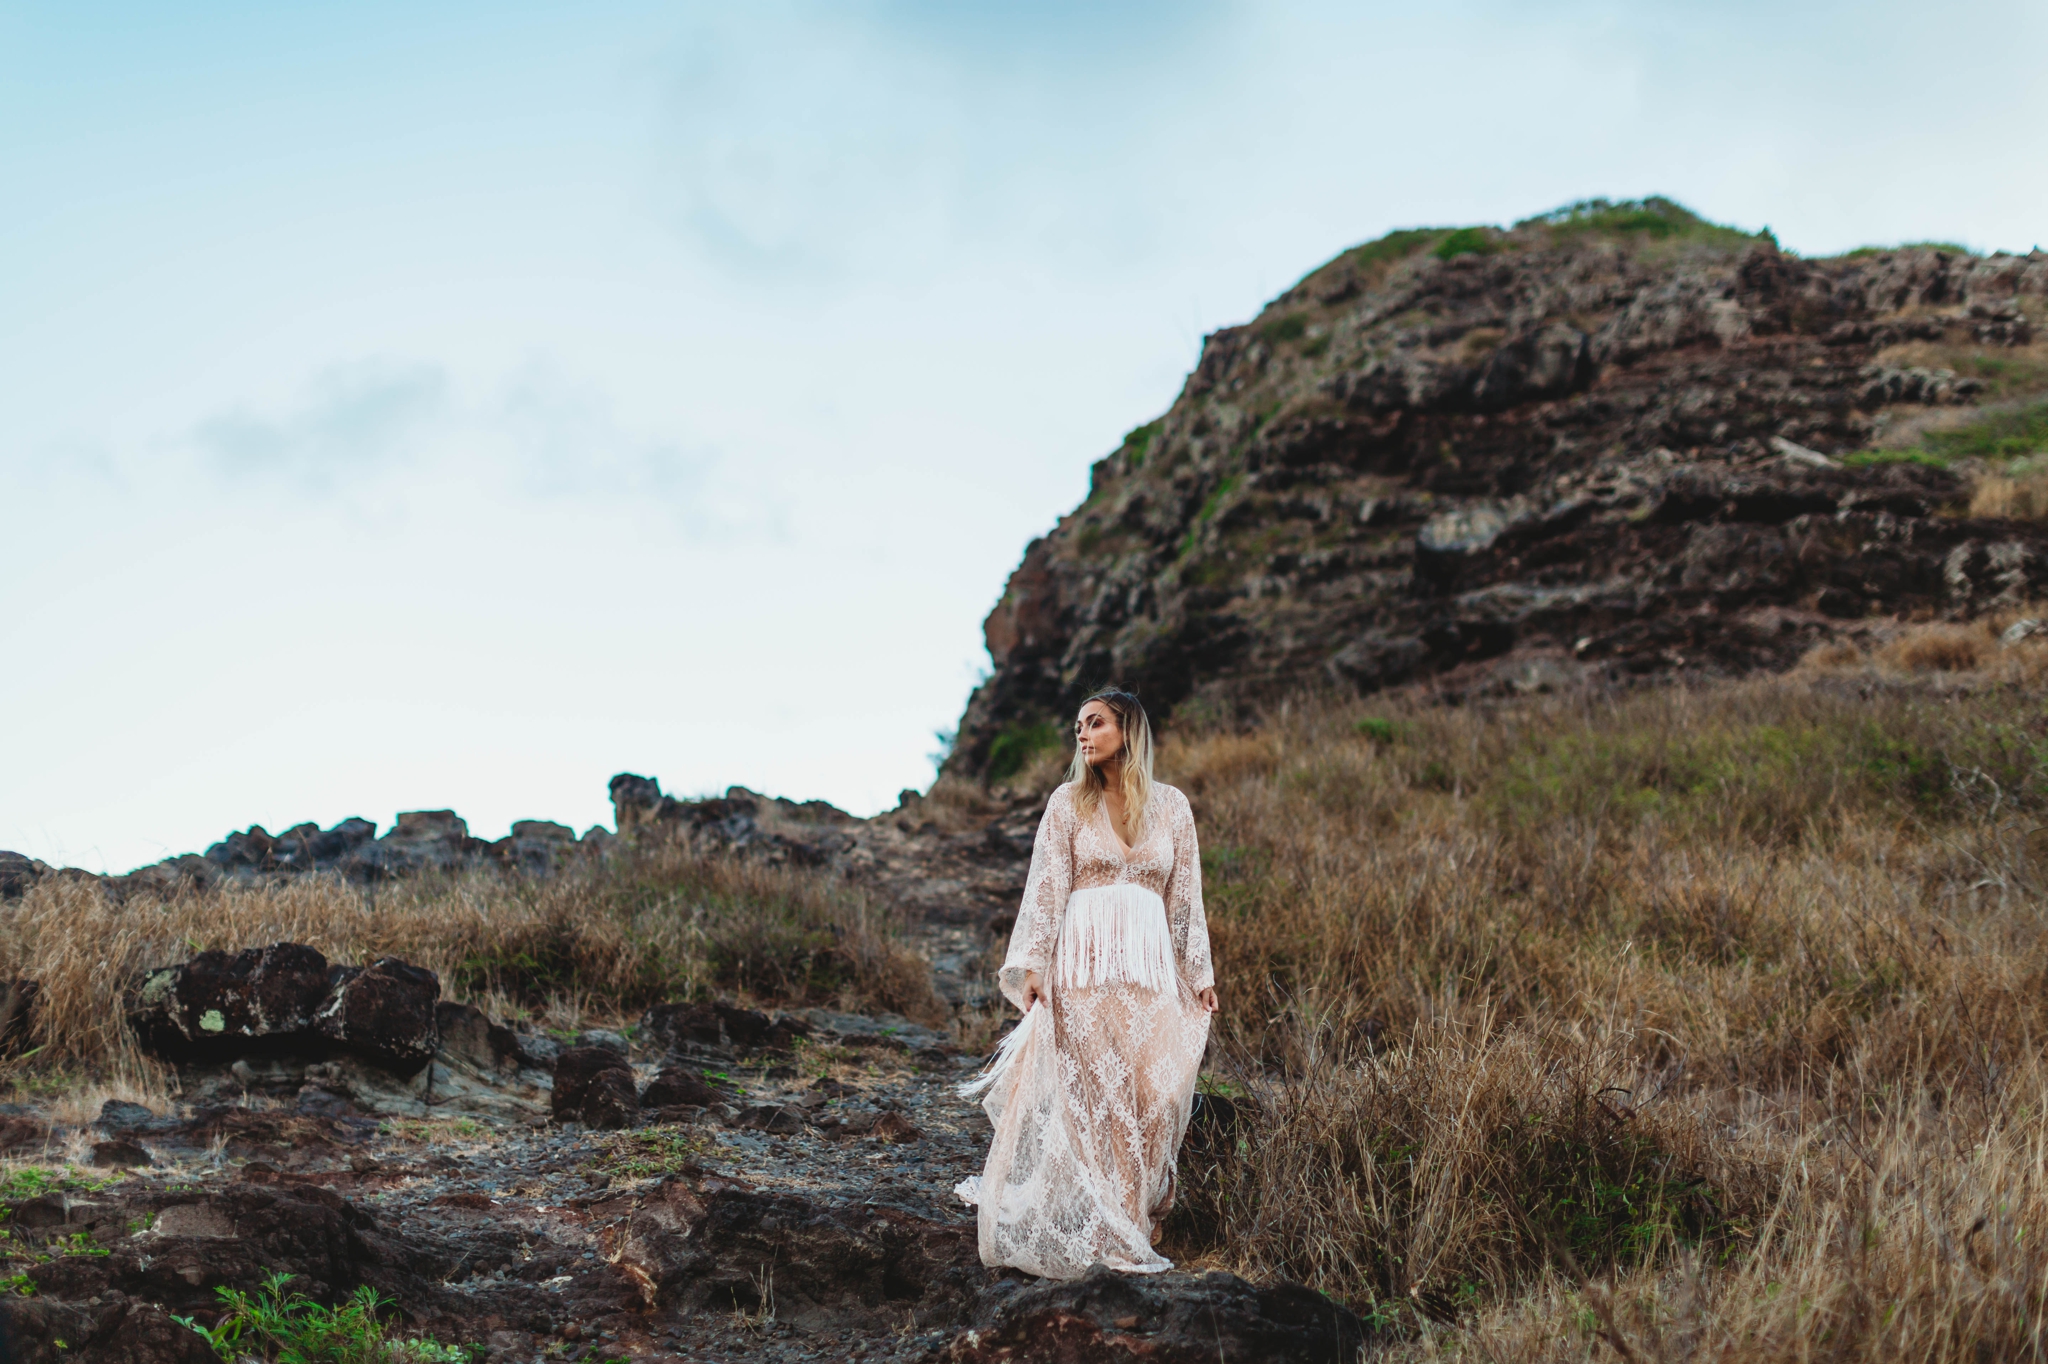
1045,902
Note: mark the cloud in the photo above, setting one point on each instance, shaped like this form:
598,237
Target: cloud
827,141
354,418
568,442
390,439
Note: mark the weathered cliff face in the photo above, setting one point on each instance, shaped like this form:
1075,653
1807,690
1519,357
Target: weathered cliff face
1607,444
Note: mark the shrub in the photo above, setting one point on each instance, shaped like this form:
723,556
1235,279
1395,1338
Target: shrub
1014,748
1377,728
290,1327
1290,328
1396,245
1138,440
1655,218
1467,241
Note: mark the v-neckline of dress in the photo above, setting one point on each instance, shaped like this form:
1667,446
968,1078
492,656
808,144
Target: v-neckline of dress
1124,850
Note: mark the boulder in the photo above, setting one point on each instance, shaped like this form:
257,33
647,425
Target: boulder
535,846
469,1036
285,998
118,1117
801,833
782,1120
221,1005
719,1025
384,1012
602,1037
670,1024
18,873
421,841
707,1247
677,1084
1163,1319
119,1154
594,1086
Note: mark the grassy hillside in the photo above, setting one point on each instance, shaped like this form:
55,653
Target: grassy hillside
1702,1023
1695,1022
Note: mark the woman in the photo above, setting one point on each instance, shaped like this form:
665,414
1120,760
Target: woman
1110,963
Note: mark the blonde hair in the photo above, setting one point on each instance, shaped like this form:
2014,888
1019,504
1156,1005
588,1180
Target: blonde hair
1088,783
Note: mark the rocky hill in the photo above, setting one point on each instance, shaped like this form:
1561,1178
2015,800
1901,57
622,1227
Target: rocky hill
1615,442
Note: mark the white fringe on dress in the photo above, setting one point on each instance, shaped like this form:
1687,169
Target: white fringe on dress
1115,935
1006,1056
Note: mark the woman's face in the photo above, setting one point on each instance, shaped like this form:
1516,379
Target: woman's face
1097,734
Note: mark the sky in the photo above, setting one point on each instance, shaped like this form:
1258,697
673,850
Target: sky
418,406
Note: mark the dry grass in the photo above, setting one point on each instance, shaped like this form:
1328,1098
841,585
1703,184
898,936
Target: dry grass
1729,1001
1671,1025
662,924
1973,647
2017,495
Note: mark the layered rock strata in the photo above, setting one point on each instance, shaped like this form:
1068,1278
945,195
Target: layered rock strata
1614,443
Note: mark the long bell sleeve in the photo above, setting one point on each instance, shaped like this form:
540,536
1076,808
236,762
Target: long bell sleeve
1046,887
1184,916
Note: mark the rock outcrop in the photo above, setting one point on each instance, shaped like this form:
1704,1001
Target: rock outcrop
594,1086
420,841
1170,1319
287,997
1605,445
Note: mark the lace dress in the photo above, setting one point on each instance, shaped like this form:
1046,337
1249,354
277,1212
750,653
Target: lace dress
1091,1097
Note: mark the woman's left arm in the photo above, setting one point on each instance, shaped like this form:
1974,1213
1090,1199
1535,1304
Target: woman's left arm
1184,916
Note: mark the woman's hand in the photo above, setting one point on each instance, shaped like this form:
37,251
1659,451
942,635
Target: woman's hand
1033,994
1207,998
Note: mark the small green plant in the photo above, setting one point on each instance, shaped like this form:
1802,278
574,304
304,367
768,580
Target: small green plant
1655,218
18,1285
29,1181
1999,435
1210,506
1139,439
1868,459
1467,241
1016,746
647,1153
80,1243
1291,328
291,1328
1378,729
1953,248
1396,245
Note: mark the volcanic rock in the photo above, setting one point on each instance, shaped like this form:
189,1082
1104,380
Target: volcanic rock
119,1154
719,1025
1613,453
221,1005
594,1086
712,1247
808,833
470,1036
285,998
1163,1319
18,873
678,1084
383,1011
